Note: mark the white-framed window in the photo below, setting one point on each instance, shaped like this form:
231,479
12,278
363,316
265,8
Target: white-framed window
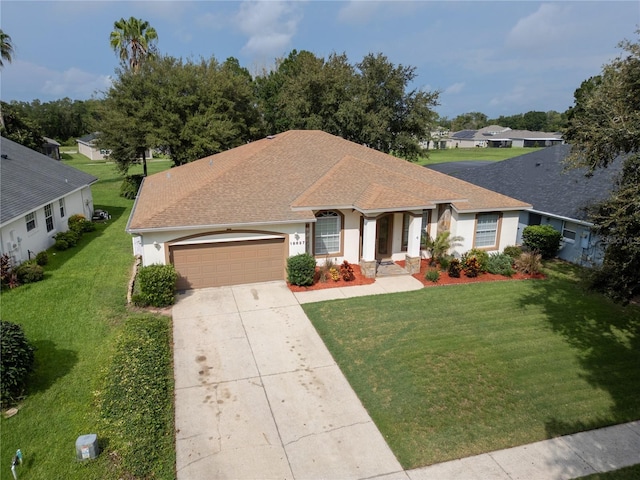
30,219
328,229
61,205
569,232
48,216
486,230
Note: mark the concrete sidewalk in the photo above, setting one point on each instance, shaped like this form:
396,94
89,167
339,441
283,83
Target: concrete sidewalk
258,396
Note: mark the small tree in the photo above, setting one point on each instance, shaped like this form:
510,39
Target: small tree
441,244
543,239
16,362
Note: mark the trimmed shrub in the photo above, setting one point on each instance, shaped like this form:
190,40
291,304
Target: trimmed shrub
455,267
130,186
42,258
433,275
75,221
500,264
66,240
481,256
301,269
513,251
472,266
16,362
543,239
529,263
156,284
29,272
134,400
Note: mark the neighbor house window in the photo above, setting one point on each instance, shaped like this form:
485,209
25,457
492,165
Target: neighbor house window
486,230
31,221
48,216
328,229
61,205
569,232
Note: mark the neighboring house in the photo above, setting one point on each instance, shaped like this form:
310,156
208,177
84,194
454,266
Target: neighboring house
87,146
495,136
559,195
236,216
51,148
37,196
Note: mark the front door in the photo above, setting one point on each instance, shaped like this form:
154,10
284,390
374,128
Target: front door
384,233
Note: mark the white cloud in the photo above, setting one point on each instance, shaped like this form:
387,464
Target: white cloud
22,77
270,26
455,88
547,27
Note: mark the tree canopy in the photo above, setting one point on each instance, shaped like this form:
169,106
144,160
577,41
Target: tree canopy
604,124
367,103
20,128
186,109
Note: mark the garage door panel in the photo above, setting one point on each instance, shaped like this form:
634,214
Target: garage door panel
230,263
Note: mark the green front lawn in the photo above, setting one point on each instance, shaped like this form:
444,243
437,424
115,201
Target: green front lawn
473,154
453,371
76,318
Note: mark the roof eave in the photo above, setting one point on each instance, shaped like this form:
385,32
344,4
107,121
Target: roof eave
215,226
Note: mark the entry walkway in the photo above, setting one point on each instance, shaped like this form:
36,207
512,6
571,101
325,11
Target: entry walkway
258,396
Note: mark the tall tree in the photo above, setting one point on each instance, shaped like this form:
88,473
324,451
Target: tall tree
469,121
604,124
19,128
366,103
6,48
188,110
133,40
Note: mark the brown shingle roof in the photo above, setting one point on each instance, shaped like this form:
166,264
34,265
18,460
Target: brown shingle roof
282,178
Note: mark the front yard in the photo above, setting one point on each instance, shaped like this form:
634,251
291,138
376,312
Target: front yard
459,370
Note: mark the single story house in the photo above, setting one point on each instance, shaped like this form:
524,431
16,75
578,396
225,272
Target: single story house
236,216
87,146
37,196
496,136
559,195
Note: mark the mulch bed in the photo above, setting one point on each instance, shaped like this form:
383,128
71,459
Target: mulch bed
445,279
359,280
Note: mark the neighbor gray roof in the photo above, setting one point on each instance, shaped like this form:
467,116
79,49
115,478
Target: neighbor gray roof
89,138
29,180
542,179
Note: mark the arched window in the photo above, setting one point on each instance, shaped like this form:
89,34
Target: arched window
328,229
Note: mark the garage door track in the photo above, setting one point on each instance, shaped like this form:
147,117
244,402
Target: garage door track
259,396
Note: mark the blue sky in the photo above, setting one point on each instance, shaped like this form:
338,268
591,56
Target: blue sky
498,57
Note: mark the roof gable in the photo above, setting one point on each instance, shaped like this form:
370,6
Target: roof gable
29,179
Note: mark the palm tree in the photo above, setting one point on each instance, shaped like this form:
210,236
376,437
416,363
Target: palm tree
6,48
133,40
439,246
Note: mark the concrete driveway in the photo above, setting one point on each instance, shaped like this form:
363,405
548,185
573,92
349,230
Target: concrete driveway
259,396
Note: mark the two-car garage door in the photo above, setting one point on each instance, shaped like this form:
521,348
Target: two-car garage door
228,263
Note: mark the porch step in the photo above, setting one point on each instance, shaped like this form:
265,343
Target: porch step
390,269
